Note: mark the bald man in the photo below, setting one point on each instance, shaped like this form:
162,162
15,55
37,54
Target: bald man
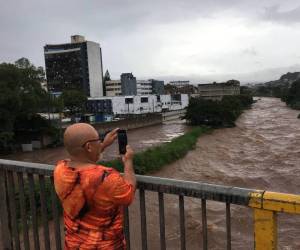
93,196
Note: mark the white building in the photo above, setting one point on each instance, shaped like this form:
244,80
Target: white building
179,84
144,87
174,102
216,91
113,88
139,104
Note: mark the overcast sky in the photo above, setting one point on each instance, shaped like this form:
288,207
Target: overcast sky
209,40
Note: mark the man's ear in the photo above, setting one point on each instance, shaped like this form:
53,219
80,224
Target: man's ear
88,147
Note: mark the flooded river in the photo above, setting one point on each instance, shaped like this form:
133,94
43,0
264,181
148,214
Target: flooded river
261,152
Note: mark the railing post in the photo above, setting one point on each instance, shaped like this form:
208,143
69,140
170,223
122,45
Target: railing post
265,229
4,213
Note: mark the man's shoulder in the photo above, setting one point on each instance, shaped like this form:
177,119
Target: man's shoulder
109,170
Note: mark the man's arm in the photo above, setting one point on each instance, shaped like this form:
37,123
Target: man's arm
129,174
119,188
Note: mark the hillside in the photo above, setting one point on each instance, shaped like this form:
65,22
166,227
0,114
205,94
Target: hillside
287,87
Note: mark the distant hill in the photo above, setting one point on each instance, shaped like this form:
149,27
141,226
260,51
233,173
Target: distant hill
285,80
277,88
290,77
287,87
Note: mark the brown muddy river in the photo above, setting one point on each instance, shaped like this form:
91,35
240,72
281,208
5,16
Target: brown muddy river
261,152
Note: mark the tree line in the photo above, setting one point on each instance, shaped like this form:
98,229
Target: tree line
22,98
217,113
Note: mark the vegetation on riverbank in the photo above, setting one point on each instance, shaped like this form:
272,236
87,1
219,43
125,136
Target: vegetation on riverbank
155,158
217,113
292,98
287,88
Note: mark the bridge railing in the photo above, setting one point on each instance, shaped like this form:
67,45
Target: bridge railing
28,201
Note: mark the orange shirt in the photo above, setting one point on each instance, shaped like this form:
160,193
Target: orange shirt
93,199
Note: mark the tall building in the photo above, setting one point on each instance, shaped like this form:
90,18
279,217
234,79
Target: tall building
128,84
158,87
76,65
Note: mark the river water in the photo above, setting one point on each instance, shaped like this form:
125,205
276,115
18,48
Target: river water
139,139
261,152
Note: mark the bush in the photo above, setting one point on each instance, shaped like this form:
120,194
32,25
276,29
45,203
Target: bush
6,142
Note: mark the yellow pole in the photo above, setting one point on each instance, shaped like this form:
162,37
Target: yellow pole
265,229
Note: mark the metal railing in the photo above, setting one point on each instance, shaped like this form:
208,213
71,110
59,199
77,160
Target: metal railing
28,201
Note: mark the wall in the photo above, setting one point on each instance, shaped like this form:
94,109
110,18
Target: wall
131,123
173,115
95,69
121,107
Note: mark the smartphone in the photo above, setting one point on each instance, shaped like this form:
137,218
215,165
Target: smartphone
122,139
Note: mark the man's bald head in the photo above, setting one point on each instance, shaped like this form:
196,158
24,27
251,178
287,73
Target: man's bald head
76,135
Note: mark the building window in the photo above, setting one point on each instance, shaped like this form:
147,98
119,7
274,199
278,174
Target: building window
128,100
144,99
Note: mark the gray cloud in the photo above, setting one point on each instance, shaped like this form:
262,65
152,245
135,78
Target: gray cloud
120,25
28,25
273,13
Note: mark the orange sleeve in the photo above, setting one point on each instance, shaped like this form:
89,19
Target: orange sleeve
117,189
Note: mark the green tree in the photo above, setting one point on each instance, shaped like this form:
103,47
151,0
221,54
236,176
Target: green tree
32,94
217,113
245,90
204,112
23,63
106,76
21,94
293,95
74,101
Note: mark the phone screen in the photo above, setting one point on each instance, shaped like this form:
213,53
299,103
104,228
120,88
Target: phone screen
122,139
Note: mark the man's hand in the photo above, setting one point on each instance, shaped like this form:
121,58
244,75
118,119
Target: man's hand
110,138
128,157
